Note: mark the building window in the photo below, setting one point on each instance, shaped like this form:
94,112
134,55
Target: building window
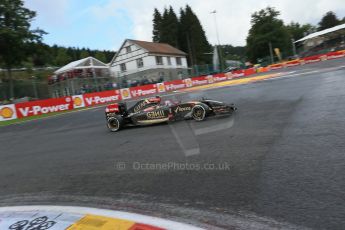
159,60
178,61
169,60
140,62
123,67
128,49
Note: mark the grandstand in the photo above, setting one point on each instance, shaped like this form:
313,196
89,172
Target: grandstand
331,39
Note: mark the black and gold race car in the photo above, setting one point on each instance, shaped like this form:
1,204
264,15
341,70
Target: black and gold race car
151,111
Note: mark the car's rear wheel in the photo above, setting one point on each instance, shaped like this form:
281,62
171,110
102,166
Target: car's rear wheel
198,113
115,123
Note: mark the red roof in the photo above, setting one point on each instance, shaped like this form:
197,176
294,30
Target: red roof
158,48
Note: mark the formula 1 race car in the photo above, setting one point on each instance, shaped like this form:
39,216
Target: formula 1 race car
151,111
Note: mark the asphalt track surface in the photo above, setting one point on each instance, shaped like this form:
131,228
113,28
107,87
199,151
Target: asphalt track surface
284,152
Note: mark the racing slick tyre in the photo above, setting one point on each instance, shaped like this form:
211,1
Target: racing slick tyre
115,123
199,113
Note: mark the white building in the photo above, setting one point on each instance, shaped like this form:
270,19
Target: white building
138,60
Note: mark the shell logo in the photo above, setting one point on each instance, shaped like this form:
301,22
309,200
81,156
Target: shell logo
161,88
77,101
125,93
188,82
6,112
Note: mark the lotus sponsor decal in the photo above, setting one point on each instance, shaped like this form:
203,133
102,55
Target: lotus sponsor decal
140,106
7,112
156,114
78,101
125,93
182,109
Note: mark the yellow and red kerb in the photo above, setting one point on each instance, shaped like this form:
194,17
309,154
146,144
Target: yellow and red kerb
94,222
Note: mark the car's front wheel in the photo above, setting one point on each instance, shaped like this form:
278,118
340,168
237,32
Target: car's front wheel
115,123
198,113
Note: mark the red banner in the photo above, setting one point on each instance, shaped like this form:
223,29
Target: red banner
32,108
276,66
175,85
311,59
334,55
237,73
144,90
219,77
199,81
249,71
91,99
292,63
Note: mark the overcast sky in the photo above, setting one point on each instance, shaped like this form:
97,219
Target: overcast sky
104,24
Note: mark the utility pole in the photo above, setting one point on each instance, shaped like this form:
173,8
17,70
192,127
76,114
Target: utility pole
293,47
34,86
94,74
271,52
217,34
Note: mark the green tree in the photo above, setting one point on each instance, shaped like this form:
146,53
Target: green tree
84,53
62,57
297,31
192,38
169,27
328,20
15,32
185,33
101,56
157,21
266,28
234,52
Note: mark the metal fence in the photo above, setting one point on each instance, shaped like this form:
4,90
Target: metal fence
24,88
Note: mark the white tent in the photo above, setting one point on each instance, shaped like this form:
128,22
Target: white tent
85,63
322,33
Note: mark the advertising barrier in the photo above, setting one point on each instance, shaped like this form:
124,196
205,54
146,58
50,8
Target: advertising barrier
336,54
276,66
292,63
144,90
33,108
237,73
250,71
199,81
7,112
91,99
174,85
78,101
312,59
219,77
125,93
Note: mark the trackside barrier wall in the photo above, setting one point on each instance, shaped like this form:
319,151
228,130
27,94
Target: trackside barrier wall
40,107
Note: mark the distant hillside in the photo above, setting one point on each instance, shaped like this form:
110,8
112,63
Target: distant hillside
42,55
